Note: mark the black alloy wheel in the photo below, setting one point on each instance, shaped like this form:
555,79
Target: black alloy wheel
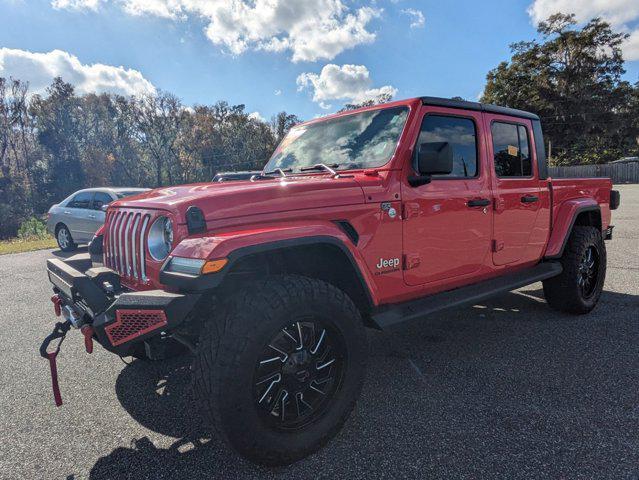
298,374
588,272
578,287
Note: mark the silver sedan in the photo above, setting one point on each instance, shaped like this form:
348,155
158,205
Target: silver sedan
76,218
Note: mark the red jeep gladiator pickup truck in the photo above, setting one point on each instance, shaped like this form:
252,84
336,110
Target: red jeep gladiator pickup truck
368,218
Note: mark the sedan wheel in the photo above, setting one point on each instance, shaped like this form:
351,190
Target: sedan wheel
65,241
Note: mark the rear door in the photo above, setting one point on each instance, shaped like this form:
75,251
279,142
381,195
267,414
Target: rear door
515,187
448,222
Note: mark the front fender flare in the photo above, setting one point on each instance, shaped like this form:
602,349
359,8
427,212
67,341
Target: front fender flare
239,244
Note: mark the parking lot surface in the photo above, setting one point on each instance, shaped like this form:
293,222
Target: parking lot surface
505,389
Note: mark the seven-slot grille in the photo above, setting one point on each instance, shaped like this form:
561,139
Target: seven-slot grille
125,242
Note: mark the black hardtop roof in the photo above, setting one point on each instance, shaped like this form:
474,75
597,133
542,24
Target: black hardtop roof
482,107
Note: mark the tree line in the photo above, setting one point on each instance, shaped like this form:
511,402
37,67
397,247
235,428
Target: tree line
54,144
572,78
59,142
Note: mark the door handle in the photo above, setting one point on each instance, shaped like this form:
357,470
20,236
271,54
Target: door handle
480,202
67,212
91,216
529,199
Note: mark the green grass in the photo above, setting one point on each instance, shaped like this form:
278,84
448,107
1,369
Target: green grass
18,245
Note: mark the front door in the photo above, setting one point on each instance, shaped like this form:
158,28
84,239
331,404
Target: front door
76,213
517,193
97,215
448,222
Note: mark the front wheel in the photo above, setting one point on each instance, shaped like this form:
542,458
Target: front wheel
578,288
281,369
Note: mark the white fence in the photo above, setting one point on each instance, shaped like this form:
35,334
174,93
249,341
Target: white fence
619,172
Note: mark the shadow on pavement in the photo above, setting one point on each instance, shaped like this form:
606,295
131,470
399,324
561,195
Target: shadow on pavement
499,389
158,395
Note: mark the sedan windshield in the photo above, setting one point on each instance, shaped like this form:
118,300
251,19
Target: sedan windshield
360,140
127,193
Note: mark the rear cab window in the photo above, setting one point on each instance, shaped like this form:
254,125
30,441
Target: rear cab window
511,150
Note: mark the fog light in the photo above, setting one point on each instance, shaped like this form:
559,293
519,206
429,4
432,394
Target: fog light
195,266
189,266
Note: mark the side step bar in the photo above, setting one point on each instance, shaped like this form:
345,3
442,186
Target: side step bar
390,316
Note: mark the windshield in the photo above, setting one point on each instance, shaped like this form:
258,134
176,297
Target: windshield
361,140
127,193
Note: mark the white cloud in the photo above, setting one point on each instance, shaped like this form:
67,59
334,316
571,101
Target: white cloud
256,116
620,13
39,69
350,83
617,12
76,4
278,92
631,47
310,29
418,20
172,9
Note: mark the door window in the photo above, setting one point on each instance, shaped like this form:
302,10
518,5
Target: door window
101,199
511,149
81,200
461,134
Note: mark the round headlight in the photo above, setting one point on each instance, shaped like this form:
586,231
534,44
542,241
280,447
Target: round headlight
160,239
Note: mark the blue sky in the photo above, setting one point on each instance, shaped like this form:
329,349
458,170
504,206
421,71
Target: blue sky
447,54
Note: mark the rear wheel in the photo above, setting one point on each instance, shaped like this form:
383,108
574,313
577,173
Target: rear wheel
281,368
64,239
578,288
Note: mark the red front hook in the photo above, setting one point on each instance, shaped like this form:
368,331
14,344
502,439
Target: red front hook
57,301
87,331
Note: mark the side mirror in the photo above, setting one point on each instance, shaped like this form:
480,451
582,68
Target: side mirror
104,207
433,158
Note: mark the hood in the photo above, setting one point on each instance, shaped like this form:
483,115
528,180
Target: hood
239,198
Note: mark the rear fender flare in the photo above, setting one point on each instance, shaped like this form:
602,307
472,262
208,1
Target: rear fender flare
565,221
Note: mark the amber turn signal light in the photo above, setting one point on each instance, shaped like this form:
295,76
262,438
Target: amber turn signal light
212,266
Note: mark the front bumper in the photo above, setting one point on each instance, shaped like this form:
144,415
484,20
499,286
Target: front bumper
120,319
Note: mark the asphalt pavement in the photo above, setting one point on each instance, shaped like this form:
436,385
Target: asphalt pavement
506,389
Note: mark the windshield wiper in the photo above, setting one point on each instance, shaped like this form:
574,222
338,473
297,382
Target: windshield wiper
281,172
322,166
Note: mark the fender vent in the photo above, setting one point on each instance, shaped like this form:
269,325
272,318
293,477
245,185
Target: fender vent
349,230
130,324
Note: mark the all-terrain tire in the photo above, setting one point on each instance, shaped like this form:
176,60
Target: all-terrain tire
231,345
565,292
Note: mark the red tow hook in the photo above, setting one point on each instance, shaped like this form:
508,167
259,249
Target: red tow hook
87,331
57,301
59,331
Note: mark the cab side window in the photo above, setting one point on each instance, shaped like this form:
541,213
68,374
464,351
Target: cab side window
101,199
511,149
81,200
461,134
